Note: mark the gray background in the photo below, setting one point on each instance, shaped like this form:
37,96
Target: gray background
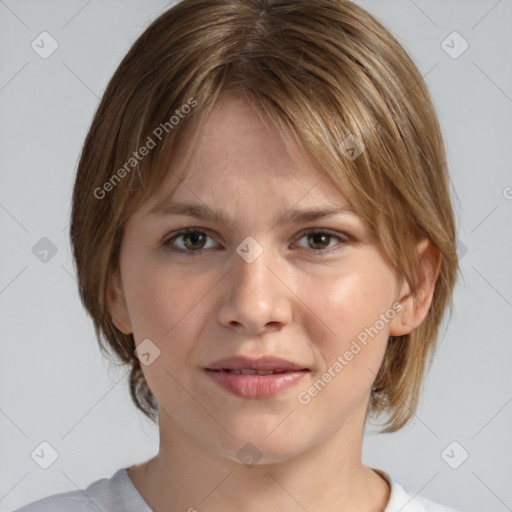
55,387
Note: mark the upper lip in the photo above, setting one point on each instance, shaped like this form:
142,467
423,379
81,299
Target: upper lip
255,363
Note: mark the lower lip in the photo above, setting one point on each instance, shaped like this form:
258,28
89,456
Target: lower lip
256,386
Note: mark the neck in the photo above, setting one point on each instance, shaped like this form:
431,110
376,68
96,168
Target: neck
188,475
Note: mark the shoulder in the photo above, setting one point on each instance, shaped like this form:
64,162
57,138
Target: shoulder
59,503
97,496
401,500
421,504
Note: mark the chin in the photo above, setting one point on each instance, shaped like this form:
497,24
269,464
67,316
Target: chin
260,448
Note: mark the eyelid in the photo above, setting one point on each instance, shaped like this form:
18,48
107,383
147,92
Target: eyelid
339,234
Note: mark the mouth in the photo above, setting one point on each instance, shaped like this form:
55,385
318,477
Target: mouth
250,377
253,371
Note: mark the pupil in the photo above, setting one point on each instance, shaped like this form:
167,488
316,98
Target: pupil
193,237
323,236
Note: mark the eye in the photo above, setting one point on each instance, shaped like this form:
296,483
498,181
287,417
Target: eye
319,240
193,240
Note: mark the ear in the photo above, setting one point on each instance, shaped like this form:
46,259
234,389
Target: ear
416,303
117,304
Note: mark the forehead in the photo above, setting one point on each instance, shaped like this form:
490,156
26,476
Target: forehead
240,153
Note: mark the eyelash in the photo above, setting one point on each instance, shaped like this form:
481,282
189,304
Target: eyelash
320,252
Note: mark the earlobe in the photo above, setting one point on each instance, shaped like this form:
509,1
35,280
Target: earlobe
117,305
415,303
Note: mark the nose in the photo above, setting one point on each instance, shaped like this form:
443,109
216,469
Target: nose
256,298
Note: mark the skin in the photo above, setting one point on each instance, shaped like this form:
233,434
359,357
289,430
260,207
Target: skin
290,302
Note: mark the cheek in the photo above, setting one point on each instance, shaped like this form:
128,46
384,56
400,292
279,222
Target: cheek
160,297
351,351
345,321
348,301
163,303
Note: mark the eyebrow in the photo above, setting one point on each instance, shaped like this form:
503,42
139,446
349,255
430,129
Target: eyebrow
203,212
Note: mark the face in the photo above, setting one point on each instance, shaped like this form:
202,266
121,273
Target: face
315,292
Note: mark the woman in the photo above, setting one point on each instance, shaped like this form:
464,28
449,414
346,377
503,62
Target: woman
263,233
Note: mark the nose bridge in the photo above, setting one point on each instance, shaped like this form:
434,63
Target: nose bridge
250,271
255,297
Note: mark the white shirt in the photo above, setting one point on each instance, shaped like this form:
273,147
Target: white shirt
118,494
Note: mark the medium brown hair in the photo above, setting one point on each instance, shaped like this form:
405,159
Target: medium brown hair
320,72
